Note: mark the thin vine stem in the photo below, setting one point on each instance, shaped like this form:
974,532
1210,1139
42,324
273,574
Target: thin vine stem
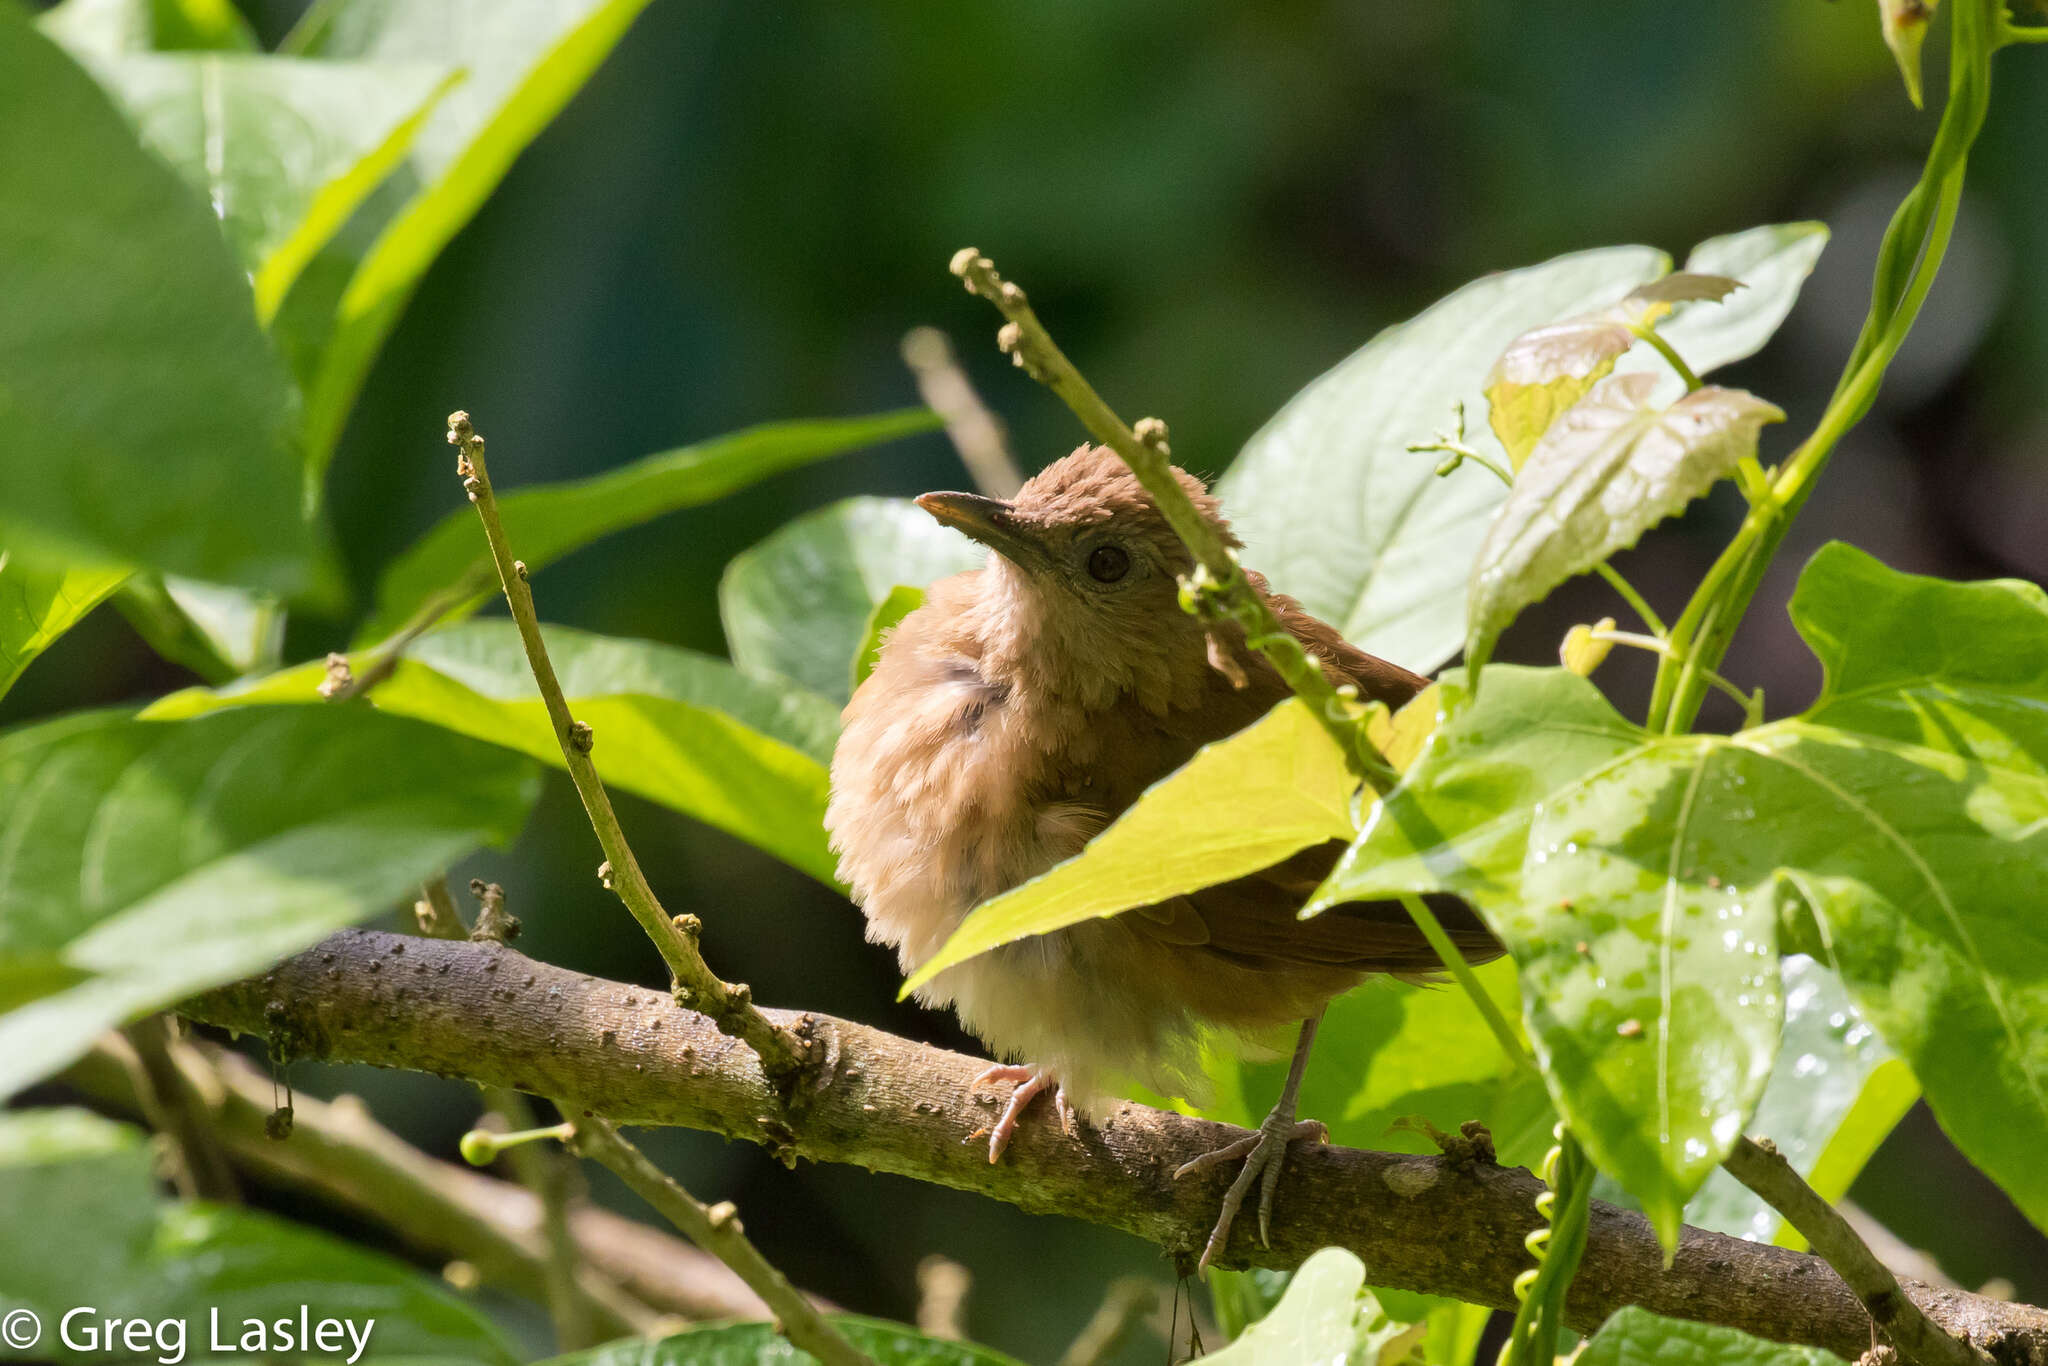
1636,601
1907,264
1670,354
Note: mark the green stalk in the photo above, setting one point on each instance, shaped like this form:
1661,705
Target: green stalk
1907,263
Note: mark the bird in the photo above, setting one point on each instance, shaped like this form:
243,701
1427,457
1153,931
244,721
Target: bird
1013,716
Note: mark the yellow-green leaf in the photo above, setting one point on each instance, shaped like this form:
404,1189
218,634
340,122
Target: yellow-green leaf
901,601
1241,804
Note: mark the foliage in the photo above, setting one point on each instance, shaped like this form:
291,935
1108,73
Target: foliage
1799,927
758,1344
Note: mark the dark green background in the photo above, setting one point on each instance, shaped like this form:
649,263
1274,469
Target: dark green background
1210,204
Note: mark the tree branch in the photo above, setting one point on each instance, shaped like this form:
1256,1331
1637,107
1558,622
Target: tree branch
976,433
1762,1168
632,1274
728,1004
487,1014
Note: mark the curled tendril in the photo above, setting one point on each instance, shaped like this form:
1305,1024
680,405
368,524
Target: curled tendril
1537,1240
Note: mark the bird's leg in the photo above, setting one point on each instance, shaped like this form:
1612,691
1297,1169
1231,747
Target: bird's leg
1030,1082
1264,1153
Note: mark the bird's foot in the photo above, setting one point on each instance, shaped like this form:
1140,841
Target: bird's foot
1264,1154
1031,1081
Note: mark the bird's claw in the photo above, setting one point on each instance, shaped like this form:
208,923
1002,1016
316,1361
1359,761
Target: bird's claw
1031,1081
1264,1154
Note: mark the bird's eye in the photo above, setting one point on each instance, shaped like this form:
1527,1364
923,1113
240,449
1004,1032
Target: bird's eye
1108,563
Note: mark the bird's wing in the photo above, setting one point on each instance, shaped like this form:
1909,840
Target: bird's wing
1254,920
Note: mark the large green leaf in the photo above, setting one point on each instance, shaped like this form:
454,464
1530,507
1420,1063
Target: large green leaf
798,605
40,602
144,419
1338,512
1636,1337
1648,980
1907,841
544,522
141,862
284,150
525,59
1603,474
680,728
1241,804
760,1344
131,1254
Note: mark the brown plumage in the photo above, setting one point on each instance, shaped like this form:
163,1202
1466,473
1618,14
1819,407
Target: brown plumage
1019,711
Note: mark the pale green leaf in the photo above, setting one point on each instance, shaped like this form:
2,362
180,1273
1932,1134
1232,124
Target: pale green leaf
1337,511
1241,804
144,419
40,602
1772,262
190,1265
798,605
544,522
887,616
1836,1091
1636,1337
1326,1314
525,59
683,729
142,862
1609,470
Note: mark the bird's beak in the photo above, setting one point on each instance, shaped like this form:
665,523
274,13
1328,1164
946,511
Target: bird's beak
991,521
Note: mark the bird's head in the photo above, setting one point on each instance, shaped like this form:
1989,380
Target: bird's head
1088,566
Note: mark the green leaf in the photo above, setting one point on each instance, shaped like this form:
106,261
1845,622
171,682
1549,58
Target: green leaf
1548,369
1621,871
760,1344
544,522
887,616
1636,1337
284,150
679,728
1609,470
1241,804
1943,688
1961,667
1339,513
138,1256
1326,1314
525,62
145,419
1667,856
1836,1092
1390,1057
39,602
144,862
107,28
798,605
